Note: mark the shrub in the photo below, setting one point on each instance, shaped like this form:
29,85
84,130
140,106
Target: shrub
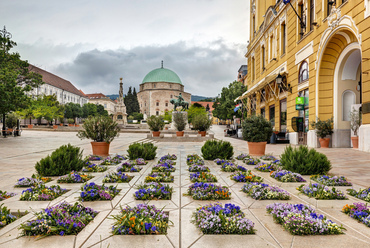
99,129
201,122
146,151
155,123
323,128
11,120
213,149
256,129
305,161
62,161
70,121
179,120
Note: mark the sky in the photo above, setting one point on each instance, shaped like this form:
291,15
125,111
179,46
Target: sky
92,43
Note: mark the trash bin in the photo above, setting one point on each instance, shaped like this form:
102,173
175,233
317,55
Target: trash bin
273,138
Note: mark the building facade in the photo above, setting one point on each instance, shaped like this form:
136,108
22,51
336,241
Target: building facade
321,55
157,89
64,90
99,98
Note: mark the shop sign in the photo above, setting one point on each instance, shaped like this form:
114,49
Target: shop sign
299,103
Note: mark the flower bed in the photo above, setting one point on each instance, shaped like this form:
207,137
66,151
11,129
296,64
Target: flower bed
268,157
129,167
208,191
117,177
140,220
93,192
331,181
242,156
159,177
266,167
358,211
42,193
245,176
363,194
140,161
111,161
5,216
5,195
74,177
202,177
119,157
168,156
94,158
301,219
194,159
220,161
62,219
43,179
198,168
262,191
230,167
216,219
163,168
287,176
251,161
153,191
27,182
94,168
321,192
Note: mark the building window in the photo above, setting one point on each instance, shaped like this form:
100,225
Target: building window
301,13
156,112
170,86
157,104
45,90
312,13
253,69
254,24
166,104
105,106
171,96
283,115
283,38
271,52
272,115
303,72
145,104
330,3
263,112
263,57
154,86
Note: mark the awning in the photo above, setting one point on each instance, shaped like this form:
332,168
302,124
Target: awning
266,80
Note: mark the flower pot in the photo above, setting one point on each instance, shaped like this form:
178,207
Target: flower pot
156,133
202,133
71,125
30,126
324,143
76,125
257,148
354,142
100,148
180,133
55,127
61,124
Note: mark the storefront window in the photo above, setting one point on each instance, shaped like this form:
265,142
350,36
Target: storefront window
272,115
283,115
305,113
263,112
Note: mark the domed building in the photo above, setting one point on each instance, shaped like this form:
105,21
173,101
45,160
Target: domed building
157,89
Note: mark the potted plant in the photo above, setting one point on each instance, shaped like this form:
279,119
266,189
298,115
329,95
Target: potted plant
61,120
202,123
155,124
70,122
323,128
180,123
257,131
11,121
356,118
102,130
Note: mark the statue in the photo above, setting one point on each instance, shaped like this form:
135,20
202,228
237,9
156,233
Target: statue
179,102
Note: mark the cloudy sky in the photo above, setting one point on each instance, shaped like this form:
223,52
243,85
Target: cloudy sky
93,43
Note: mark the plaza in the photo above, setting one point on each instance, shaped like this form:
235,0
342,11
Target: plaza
18,156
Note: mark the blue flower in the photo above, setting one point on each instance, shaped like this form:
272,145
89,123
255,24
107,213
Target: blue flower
154,228
148,226
61,233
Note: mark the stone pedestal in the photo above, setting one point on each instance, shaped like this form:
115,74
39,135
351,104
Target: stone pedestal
185,114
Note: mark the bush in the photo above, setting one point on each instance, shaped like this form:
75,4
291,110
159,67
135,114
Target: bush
146,151
155,123
70,121
11,120
213,149
62,161
99,129
201,122
179,120
304,161
323,128
256,129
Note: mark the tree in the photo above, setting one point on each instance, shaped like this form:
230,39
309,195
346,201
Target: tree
72,110
89,109
195,109
48,107
100,110
15,78
135,102
224,105
28,112
128,102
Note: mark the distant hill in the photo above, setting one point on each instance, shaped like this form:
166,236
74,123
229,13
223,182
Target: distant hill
195,98
114,96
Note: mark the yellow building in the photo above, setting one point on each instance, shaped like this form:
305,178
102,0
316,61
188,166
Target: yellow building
325,60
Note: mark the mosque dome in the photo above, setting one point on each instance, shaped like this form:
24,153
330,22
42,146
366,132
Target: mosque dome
162,75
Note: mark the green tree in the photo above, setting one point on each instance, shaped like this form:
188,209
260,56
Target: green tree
48,107
168,116
128,100
135,102
28,112
16,80
89,109
72,110
100,110
195,109
224,105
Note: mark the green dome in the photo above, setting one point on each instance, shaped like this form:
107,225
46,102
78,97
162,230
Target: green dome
162,75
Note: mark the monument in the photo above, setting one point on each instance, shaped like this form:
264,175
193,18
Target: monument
120,115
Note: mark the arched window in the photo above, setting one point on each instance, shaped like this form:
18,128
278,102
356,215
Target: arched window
348,99
303,72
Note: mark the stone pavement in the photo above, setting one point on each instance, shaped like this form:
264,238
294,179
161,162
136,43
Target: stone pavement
19,155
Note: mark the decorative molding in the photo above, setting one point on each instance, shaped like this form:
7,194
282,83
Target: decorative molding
334,17
304,53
